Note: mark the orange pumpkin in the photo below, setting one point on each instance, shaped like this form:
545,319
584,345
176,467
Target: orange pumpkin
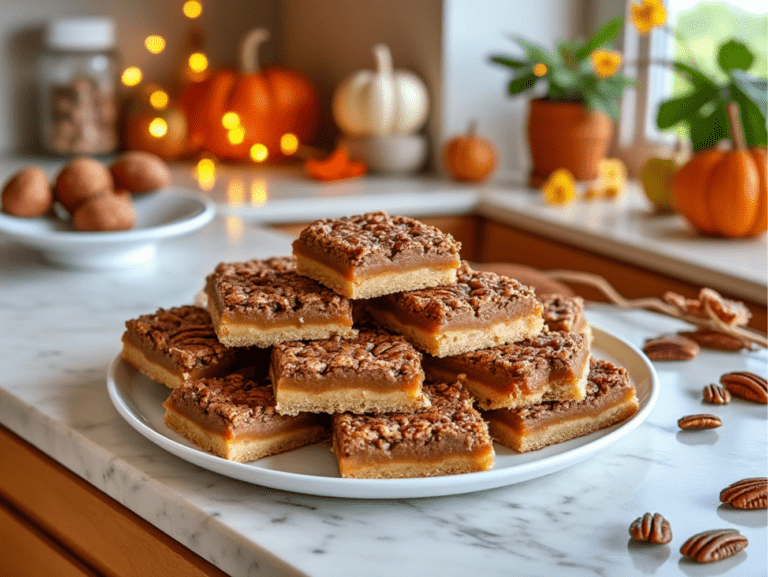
469,157
723,192
230,112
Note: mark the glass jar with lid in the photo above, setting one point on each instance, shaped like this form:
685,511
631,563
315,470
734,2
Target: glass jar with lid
78,87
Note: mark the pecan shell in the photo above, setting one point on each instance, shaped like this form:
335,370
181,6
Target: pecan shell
716,395
747,493
671,348
746,385
714,545
699,422
652,528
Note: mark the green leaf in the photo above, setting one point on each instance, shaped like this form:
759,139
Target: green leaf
521,83
535,53
513,63
608,105
706,131
682,108
697,78
606,34
734,54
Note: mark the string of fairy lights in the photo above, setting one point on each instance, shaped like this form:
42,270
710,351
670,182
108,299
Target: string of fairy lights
196,67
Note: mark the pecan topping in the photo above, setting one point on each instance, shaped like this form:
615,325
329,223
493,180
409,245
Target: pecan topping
711,339
745,385
699,422
716,395
671,348
274,264
561,313
714,545
711,303
747,493
652,528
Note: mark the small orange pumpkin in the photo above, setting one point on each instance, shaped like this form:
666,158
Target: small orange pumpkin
723,192
267,104
469,157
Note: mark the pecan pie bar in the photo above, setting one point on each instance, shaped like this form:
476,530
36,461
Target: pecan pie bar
550,366
481,310
174,345
375,372
610,399
257,303
374,254
449,438
234,417
565,313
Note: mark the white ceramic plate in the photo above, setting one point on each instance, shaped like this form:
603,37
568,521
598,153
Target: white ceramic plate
313,470
159,215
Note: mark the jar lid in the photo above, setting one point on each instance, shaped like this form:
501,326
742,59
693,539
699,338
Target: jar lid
88,33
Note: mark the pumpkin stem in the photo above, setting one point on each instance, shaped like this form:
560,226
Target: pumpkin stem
249,50
383,59
472,127
737,130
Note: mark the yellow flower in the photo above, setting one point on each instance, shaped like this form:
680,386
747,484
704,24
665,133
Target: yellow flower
647,15
560,187
540,69
606,62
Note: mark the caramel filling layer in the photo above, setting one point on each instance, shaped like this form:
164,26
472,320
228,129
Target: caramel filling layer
359,272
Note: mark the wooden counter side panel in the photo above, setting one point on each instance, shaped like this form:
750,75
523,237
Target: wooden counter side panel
501,243
25,551
101,532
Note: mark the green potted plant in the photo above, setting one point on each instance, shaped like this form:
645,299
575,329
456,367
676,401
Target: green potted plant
572,125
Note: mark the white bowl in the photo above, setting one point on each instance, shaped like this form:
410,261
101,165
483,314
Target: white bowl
159,215
397,154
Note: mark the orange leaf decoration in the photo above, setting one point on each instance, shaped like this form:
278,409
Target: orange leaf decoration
337,166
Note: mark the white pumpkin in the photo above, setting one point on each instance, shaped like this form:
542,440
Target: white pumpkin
381,102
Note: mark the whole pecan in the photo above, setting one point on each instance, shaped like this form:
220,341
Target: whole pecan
699,422
716,395
746,385
747,493
651,527
671,348
714,545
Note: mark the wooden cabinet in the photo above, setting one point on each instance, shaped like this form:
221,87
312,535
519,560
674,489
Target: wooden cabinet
54,523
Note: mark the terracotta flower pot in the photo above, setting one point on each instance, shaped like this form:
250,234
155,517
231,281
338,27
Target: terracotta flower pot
566,135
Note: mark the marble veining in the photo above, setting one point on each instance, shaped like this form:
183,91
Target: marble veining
61,330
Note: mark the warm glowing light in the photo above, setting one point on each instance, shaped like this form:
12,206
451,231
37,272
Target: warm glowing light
206,173
131,76
155,44
192,9
235,227
259,152
230,120
158,99
289,143
158,127
539,69
258,192
198,62
236,135
235,192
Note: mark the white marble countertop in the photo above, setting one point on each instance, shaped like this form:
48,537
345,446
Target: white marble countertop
62,328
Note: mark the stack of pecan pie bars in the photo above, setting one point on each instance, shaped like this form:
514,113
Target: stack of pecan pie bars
374,333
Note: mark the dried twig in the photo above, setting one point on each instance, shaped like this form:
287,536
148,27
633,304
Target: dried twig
654,304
